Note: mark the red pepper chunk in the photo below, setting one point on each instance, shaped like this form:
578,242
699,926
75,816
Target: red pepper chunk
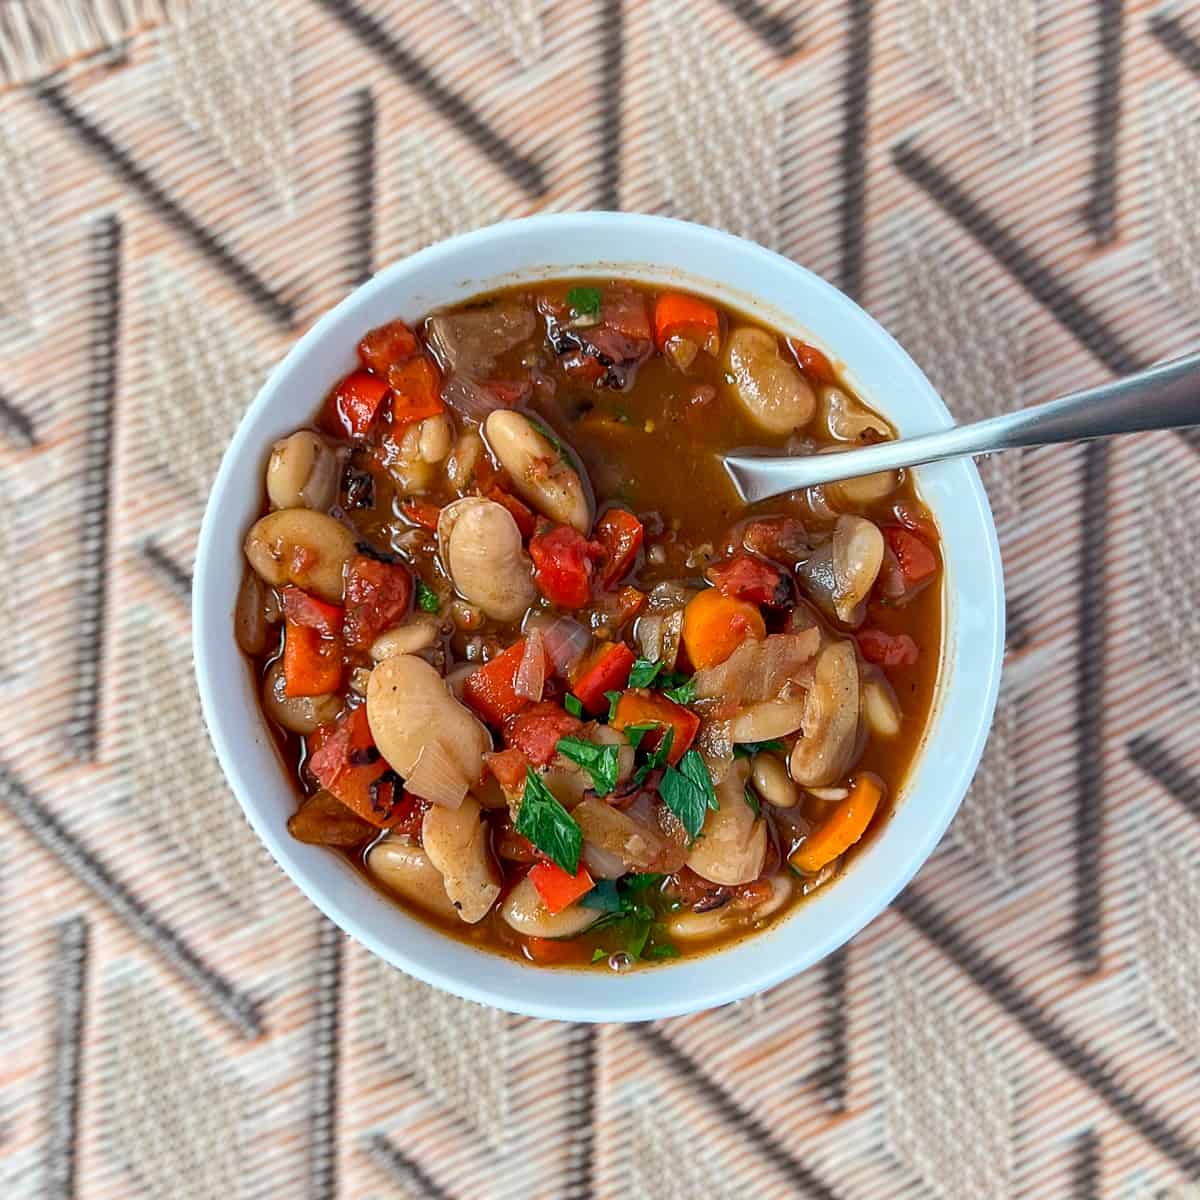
677,315
640,707
421,512
491,691
354,402
521,513
508,767
744,577
887,649
303,609
607,670
620,536
813,362
312,664
557,889
344,761
917,560
385,345
536,731
416,390
563,566
377,597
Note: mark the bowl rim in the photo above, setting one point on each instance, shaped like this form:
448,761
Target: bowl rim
210,613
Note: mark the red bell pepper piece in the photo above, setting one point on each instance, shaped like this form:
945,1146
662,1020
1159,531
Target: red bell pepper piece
508,767
416,390
677,315
536,731
563,561
343,759
744,577
354,403
557,889
490,690
639,707
550,952
620,536
303,609
887,649
392,343
917,560
377,597
606,670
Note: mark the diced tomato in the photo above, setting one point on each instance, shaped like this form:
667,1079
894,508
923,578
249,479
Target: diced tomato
745,577
421,512
917,560
606,670
563,561
887,649
536,731
344,760
407,815
549,952
782,538
583,367
377,597
312,664
522,514
509,392
416,390
508,767
813,362
639,706
386,345
301,608
624,310
620,535
353,404
916,520
677,315
557,889
490,691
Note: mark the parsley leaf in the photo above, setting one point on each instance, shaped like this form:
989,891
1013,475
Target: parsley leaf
600,762
752,801
635,733
604,896
662,950
427,598
644,673
599,953
657,757
688,792
548,825
750,749
683,693
613,698
548,434
584,301
638,934
640,883
573,705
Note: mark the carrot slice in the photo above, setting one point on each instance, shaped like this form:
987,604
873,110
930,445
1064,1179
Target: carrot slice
641,707
557,889
685,316
714,626
813,362
312,665
841,828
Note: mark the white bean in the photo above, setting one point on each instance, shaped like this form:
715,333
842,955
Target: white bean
298,714
771,781
302,472
435,438
297,545
524,911
823,752
771,390
538,470
733,845
880,710
480,547
456,841
767,720
418,633
460,466
405,869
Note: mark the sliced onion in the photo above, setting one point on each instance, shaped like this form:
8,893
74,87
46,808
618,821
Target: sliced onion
437,777
758,671
672,636
603,864
469,399
565,640
530,677
648,634
715,743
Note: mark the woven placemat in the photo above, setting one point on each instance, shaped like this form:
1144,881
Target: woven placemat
1011,187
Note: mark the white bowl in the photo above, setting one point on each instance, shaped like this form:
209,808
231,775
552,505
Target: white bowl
782,295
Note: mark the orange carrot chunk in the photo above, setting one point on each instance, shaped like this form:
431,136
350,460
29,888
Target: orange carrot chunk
312,665
557,889
714,626
841,828
677,315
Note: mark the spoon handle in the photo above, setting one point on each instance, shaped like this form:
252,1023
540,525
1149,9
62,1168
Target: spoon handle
1165,396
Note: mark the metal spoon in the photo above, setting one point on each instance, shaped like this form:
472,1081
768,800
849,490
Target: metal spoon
1166,396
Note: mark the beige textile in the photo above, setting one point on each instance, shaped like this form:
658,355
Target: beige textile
1009,185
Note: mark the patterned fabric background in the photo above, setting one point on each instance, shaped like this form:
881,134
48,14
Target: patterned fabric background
1009,185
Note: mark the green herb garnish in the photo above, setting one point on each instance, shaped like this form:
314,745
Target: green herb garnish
635,733
750,749
687,791
600,762
644,673
613,698
548,434
599,953
657,757
604,896
662,950
628,915
584,301
544,821
752,801
683,693
573,705
427,598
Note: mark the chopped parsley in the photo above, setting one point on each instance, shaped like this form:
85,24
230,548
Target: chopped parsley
548,825
604,895
687,791
584,301
683,693
600,762
752,801
657,757
644,673
662,950
548,434
599,953
635,733
613,698
427,598
750,749
628,916
573,705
